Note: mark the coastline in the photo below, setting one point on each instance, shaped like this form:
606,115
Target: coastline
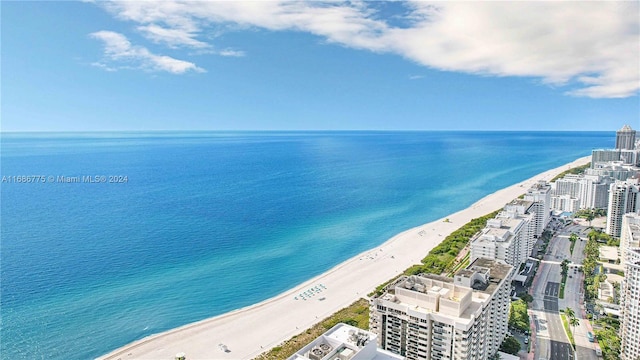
249,331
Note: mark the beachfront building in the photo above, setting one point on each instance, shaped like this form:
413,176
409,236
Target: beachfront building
508,237
625,156
626,138
435,317
630,306
624,198
574,192
523,209
615,170
344,342
600,156
540,195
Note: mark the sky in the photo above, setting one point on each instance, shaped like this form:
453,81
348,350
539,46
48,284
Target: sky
292,65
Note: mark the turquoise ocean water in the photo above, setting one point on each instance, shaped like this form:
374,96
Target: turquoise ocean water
208,222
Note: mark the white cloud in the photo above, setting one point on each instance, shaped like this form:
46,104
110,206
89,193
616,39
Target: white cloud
231,52
120,53
589,47
592,45
172,37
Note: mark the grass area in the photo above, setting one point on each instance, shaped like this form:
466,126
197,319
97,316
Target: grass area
573,244
565,323
442,258
575,170
356,314
565,271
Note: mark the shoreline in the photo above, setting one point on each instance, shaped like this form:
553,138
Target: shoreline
249,331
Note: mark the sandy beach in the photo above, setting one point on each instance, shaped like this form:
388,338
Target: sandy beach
249,331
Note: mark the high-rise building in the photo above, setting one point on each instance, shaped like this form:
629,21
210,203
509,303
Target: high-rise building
630,157
629,234
625,138
630,306
508,237
624,198
344,342
565,203
601,156
588,191
436,317
540,195
613,169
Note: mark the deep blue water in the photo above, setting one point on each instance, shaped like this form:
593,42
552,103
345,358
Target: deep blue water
208,222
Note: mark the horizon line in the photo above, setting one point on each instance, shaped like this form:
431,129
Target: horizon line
282,130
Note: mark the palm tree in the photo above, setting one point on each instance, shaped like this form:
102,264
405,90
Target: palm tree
590,216
570,313
574,322
573,237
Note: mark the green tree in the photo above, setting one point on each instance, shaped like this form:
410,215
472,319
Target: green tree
590,216
518,317
573,237
570,313
510,345
526,297
608,338
565,267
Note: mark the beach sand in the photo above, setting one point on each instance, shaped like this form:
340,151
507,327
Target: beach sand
249,331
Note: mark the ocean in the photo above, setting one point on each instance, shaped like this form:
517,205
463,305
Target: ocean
111,237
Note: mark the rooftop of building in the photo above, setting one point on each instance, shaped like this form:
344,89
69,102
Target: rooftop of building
435,295
498,271
505,356
634,230
609,253
541,184
626,128
459,299
344,342
507,222
521,202
504,232
464,272
496,234
495,271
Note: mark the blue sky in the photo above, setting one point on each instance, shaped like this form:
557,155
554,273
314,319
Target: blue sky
93,66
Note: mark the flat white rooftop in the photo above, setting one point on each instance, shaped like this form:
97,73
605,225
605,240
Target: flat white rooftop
344,342
609,253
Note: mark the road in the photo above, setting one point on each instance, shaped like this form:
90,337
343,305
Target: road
574,295
551,339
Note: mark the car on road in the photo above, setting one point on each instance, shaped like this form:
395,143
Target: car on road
526,340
